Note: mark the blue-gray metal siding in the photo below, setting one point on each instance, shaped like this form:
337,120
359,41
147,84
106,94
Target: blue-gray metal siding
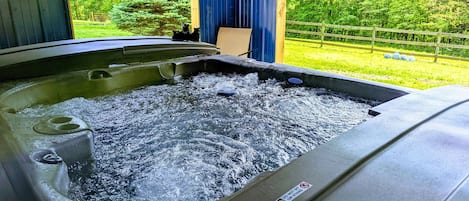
25,22
256,14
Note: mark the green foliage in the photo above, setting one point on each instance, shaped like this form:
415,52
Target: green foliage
449,15
429,15
151,17
91,9
426,15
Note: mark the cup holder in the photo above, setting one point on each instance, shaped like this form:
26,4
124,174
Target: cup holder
67,127
98,74
8,110
60,120
59,125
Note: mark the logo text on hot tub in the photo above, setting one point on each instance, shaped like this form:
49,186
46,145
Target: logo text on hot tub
295,191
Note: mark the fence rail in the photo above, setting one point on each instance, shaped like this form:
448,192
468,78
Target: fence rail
372,38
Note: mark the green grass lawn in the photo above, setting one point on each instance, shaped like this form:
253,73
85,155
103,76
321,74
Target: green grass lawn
360,64
87,29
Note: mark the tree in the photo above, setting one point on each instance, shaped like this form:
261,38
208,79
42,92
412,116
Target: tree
448,15
407,14
374,13
86,9
151,17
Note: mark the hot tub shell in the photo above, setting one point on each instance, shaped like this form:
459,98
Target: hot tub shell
414,149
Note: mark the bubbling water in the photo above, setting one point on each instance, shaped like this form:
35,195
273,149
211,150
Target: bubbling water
183,142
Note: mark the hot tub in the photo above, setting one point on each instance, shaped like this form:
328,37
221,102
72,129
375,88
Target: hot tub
405,140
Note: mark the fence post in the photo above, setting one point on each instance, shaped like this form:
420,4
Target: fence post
323,30
437,46
373,37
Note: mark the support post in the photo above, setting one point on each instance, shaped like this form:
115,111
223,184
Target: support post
280,30
373,37
70,20
195,14
437,46
323,30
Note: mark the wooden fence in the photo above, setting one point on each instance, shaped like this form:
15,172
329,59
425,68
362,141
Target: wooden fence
372,38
